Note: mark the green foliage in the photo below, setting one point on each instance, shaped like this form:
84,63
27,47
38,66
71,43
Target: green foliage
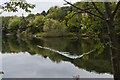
58,13
53,28
31,16
74,23
11,6
39,21
27,33
53,12
23,23
44,13
14,23
53,22
99,47
5,22
49,25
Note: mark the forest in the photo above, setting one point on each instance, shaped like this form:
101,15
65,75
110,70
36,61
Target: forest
60,22
79,21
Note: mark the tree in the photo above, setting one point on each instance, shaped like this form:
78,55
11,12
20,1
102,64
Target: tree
54,28
44,13
12,6
74,23
38,23
14,23
109,18
31,16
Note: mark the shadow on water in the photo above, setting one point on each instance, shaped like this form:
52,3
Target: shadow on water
62,49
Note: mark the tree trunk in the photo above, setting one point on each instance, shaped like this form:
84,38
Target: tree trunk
114,51
113,40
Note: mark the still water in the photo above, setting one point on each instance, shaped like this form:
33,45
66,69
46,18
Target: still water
53,58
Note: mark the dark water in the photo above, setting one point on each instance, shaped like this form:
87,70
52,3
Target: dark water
53,58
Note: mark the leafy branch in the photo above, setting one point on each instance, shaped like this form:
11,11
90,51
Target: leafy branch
12,6
85,10
118,4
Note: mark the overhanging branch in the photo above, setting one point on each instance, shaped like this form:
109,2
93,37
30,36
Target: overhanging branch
84,10
97,9
72,16
118,4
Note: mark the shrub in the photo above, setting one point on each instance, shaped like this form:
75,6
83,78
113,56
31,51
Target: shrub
54,28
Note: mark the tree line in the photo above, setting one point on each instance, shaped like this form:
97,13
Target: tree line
60,21
89,19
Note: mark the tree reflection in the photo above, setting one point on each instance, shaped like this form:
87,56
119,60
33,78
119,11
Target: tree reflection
99,63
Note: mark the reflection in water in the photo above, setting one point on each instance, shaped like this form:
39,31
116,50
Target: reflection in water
38,67
0,51
64,54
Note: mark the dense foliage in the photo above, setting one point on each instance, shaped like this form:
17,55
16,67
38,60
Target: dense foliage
60,21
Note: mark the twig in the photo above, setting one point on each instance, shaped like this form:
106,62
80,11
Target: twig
84,10
118,4
97,9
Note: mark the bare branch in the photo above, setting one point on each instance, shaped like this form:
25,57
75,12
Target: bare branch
72,16
75,14
84,10
78,13
117,6
97,9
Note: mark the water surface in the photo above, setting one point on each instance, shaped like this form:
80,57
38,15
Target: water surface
53,58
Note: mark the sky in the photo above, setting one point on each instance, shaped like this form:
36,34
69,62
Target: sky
44,0
40,6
